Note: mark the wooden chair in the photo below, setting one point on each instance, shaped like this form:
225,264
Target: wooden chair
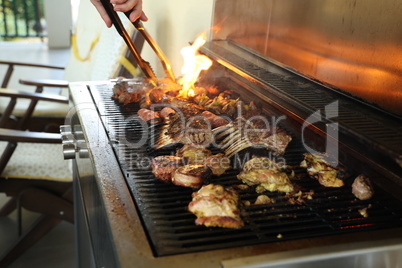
99,55
33,174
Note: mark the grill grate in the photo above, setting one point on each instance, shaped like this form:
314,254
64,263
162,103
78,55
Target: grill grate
171,228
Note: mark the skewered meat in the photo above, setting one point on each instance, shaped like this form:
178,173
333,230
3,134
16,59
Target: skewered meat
321,169
215,206
194,154
265,176
146,114
218,163
164,165
361,188
191,175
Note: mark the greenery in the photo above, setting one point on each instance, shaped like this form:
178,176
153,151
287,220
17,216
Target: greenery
21,18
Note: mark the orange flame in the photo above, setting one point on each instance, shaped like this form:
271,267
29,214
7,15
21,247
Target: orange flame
193,65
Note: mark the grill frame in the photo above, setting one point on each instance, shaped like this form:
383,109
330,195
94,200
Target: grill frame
129,240
162,235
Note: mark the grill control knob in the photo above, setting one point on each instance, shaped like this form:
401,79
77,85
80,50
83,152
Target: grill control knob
69,151
73,141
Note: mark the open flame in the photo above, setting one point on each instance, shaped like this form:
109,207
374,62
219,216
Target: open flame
194,63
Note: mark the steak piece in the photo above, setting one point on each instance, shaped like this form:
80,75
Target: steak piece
191,175
164,165
362,188
216,206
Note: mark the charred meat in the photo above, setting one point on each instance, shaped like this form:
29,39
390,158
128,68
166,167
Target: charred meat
180,129
362,188
214,120
164,165
191,175
126,93
146,114
165,112
266,175
216,206
319,167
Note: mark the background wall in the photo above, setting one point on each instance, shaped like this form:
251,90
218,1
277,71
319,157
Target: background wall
173,24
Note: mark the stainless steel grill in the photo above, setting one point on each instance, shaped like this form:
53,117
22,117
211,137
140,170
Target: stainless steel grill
171,228
294,59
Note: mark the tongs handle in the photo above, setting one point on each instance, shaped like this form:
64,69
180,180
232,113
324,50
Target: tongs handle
155,47
144,65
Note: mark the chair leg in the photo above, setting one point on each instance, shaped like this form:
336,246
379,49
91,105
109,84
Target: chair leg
9,207
40,228
48,203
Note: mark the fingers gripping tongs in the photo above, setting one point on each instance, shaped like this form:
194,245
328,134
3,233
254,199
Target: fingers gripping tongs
144,65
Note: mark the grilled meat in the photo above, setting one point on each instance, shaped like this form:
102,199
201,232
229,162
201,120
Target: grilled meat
164,165
198,131
218,163
166,111
241,134
178,129
263,200
189,109
146,114
127,93
191,175
216,206
214,120
265,175
194,154
362,188
319,168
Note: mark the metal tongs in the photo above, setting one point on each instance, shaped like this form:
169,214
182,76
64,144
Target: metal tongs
144,65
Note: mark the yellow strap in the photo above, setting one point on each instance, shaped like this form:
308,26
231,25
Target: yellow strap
129,66
75,48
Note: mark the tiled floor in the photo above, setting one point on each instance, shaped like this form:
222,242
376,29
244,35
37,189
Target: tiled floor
56,249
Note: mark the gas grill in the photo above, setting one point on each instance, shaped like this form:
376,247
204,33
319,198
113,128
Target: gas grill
126,217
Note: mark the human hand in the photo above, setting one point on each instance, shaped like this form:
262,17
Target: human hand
121,5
